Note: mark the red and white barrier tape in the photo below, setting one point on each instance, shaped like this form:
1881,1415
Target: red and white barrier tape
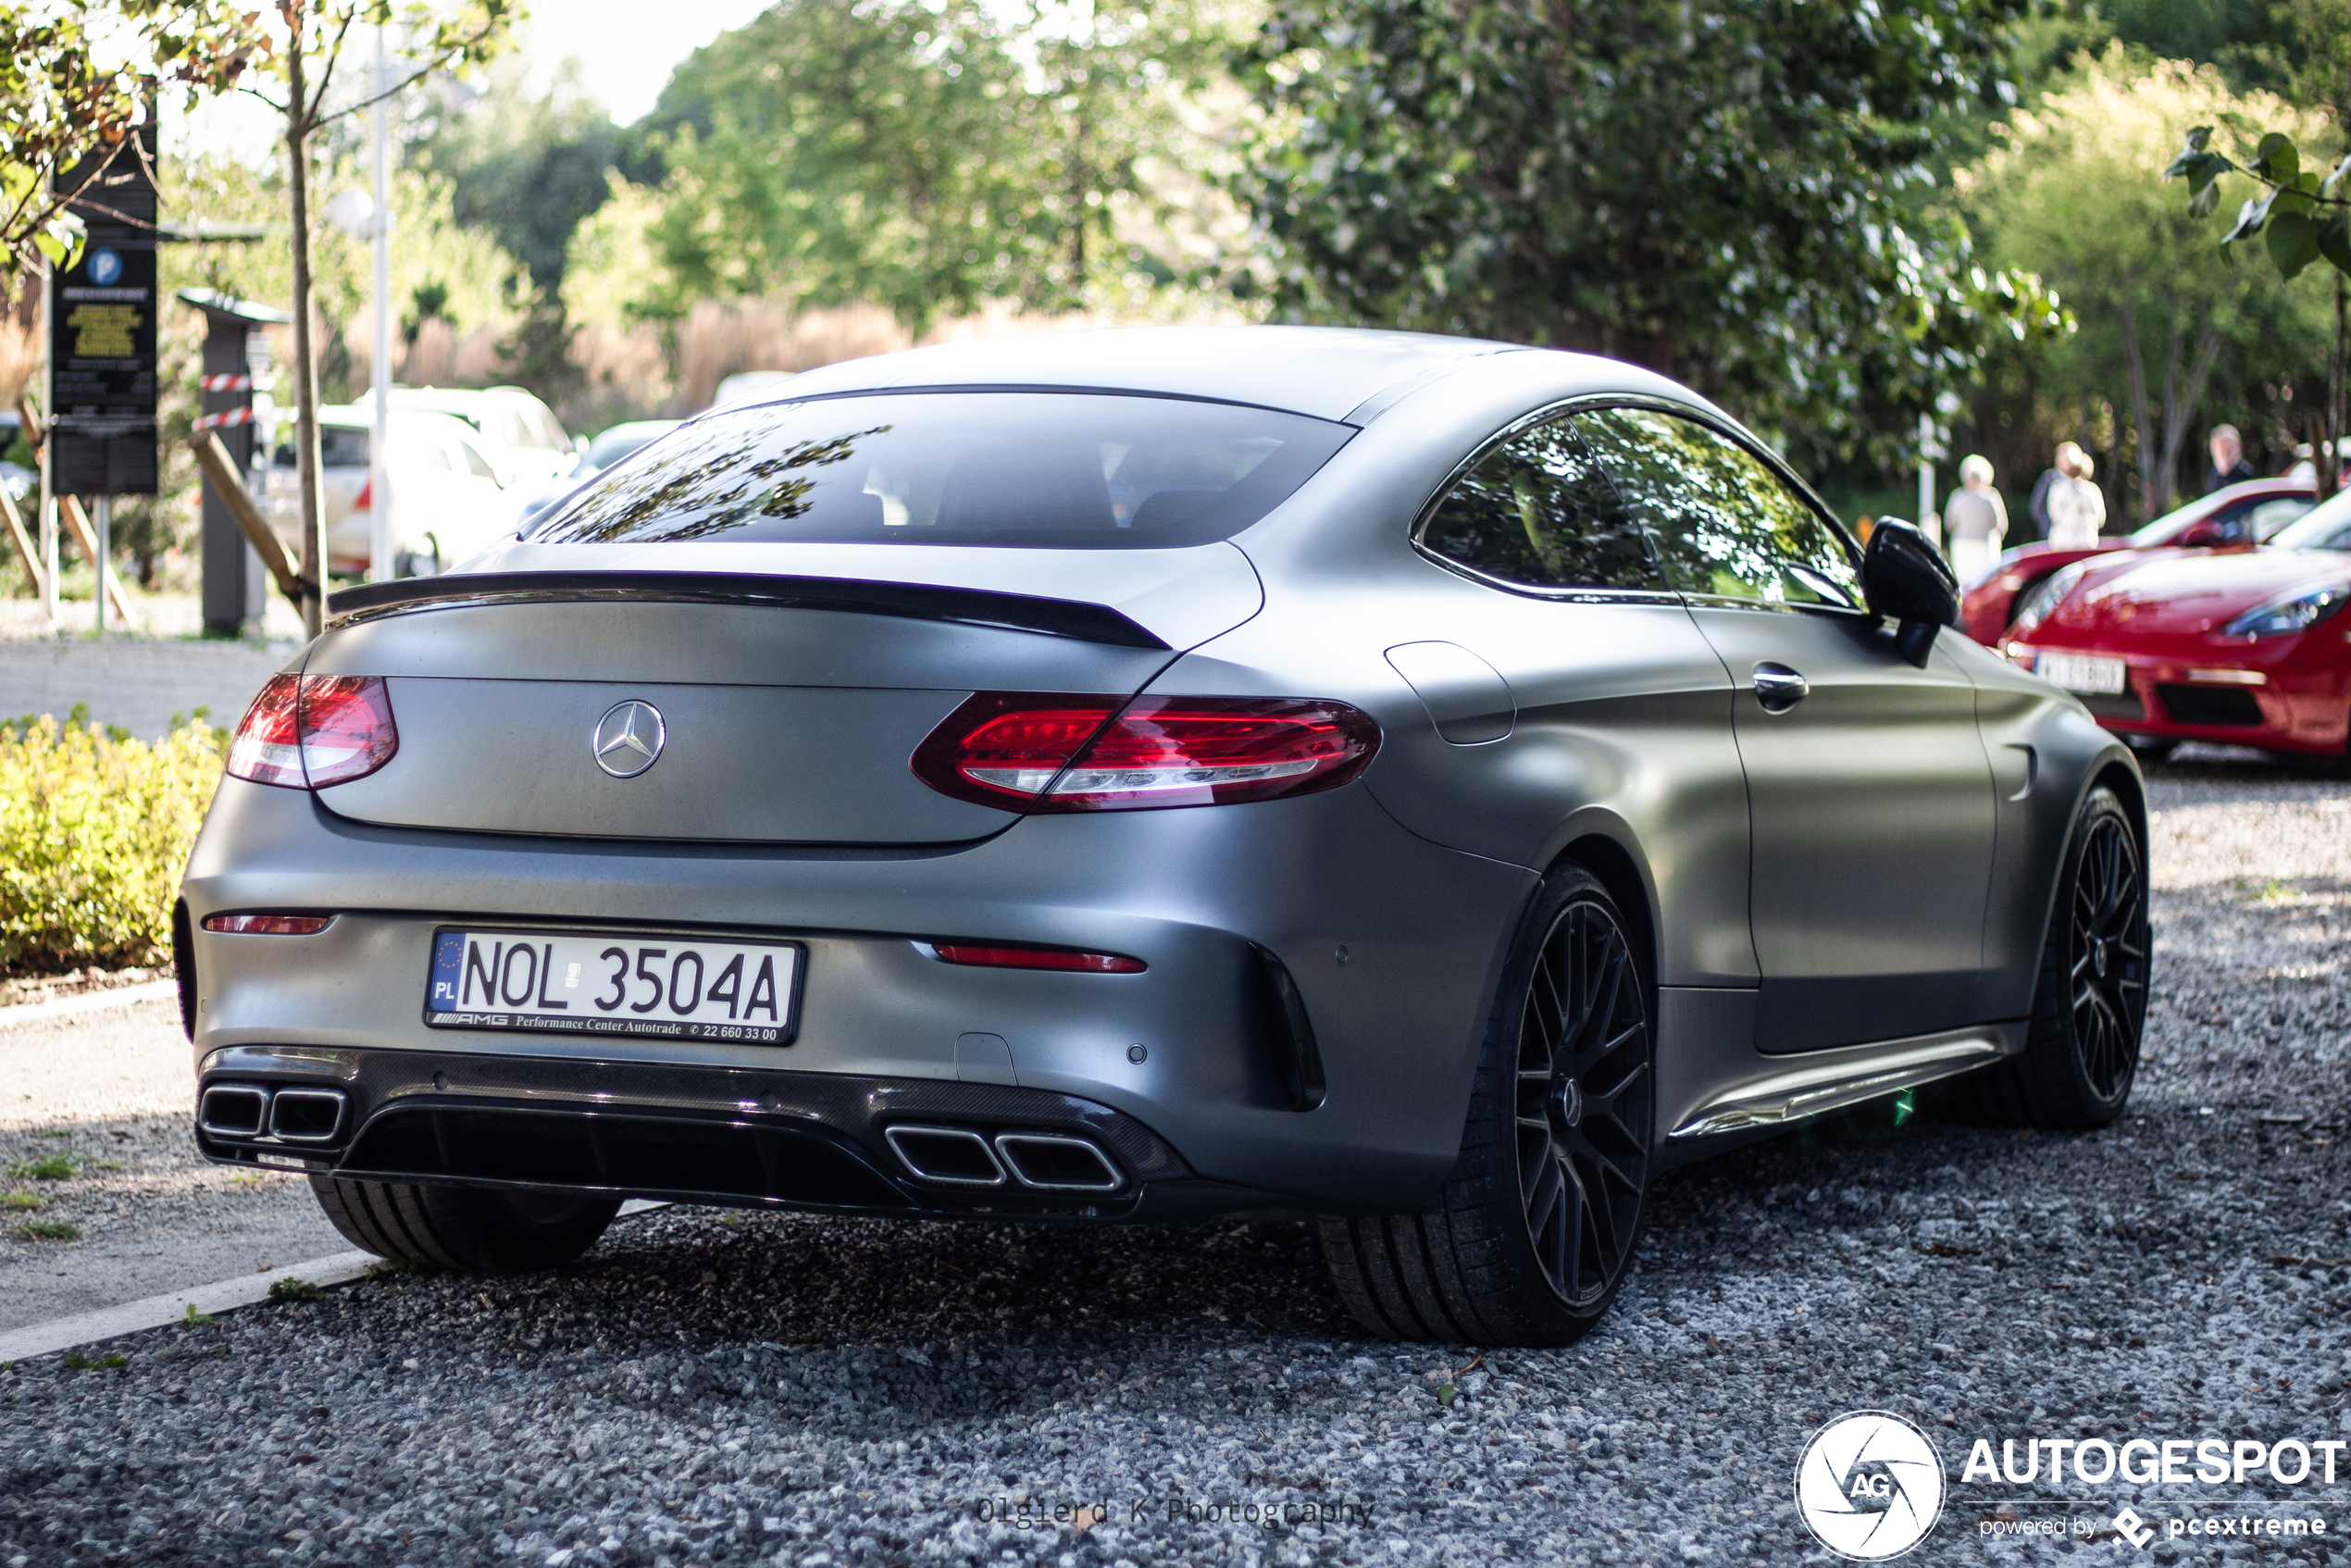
226,417
227,383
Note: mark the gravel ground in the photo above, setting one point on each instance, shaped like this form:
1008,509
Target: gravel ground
710,1388
94,1135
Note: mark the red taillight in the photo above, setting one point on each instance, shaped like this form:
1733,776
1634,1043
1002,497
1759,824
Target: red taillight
268,925
1037,958
310,731
1056,752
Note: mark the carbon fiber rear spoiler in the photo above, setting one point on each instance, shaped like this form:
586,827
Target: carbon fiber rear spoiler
969,606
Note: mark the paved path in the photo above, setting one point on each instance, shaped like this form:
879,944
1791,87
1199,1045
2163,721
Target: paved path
137,682
109,1090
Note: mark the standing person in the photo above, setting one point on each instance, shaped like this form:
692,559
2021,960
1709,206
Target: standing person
2077,507
1974,519
2037,508
2229,465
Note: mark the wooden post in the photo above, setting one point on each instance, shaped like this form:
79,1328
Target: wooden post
221,470
25,546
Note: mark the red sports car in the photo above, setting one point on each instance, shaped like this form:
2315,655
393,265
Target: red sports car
2236,517
2247,648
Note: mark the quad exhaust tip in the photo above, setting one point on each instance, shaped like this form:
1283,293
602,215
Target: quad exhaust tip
306,1115
957,1156
1056,1162
1042,1162
234,1111
256,1111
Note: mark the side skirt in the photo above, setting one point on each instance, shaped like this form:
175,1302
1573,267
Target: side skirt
1713,1082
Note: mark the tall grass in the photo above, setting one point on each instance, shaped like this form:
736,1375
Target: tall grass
94,832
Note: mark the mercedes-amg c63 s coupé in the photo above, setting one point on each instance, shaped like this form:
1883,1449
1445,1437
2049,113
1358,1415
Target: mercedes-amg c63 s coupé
1427,785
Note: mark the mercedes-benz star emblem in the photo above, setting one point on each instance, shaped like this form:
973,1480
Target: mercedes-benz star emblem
630,738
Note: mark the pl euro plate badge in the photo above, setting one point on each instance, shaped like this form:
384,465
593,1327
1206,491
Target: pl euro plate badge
648,987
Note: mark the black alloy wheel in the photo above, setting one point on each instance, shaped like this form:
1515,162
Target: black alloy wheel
1585,1093
2108,973
1534,1231
2089,1002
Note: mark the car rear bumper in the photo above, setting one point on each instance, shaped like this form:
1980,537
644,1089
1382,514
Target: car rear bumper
1390,944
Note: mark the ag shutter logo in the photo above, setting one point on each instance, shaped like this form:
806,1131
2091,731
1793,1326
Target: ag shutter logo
1869,1486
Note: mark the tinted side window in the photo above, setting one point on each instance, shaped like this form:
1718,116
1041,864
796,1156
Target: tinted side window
1538,510
1724,524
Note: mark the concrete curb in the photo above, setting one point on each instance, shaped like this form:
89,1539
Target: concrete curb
222,1295
88,1002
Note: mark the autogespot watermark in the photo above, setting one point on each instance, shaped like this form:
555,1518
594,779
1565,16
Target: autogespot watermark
1870,1486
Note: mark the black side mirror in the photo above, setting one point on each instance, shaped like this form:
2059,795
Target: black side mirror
1910,583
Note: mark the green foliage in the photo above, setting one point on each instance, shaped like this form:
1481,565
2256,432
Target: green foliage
74,1361
1725,196
49,1167
94,831
49,1230
285,1292
68,86
2070,189
525,170
2305,214
924,158
20,1200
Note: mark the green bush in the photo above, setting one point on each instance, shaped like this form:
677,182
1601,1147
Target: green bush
94,831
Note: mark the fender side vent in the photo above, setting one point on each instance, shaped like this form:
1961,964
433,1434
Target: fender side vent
1289,1033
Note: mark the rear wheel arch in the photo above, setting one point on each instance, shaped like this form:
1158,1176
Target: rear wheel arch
1626,877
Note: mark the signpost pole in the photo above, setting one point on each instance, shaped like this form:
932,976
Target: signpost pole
104,524
48,518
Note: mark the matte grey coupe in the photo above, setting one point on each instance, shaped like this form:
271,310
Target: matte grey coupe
1428,785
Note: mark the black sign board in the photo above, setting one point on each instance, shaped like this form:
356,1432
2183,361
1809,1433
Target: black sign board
101,332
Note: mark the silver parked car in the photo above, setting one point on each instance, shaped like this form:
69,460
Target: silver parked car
1425,784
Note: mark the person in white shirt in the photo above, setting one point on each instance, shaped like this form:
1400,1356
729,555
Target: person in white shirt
2077,507
1974,521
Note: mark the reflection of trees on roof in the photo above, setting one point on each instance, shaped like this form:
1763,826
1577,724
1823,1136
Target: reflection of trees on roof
693,492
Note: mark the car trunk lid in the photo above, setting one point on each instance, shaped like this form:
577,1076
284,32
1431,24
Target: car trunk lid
789,703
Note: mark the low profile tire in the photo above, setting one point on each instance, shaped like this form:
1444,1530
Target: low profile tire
474,1230
2089,1004
1534,1231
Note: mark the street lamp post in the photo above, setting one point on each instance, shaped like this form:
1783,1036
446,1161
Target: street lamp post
379,359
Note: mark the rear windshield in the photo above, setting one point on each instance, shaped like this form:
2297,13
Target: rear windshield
1045,470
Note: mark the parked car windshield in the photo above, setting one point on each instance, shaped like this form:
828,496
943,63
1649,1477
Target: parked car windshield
2324,527
1041,470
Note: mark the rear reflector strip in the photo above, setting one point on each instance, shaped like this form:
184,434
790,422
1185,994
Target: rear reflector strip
268,925
1037,958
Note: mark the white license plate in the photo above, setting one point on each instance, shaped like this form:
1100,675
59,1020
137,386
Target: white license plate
652,987
2077,672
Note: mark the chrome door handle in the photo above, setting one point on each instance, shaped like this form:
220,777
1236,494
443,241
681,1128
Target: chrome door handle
1779,688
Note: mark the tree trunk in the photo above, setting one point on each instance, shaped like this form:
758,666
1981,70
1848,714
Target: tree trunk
2134,363
2181,402
306,355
